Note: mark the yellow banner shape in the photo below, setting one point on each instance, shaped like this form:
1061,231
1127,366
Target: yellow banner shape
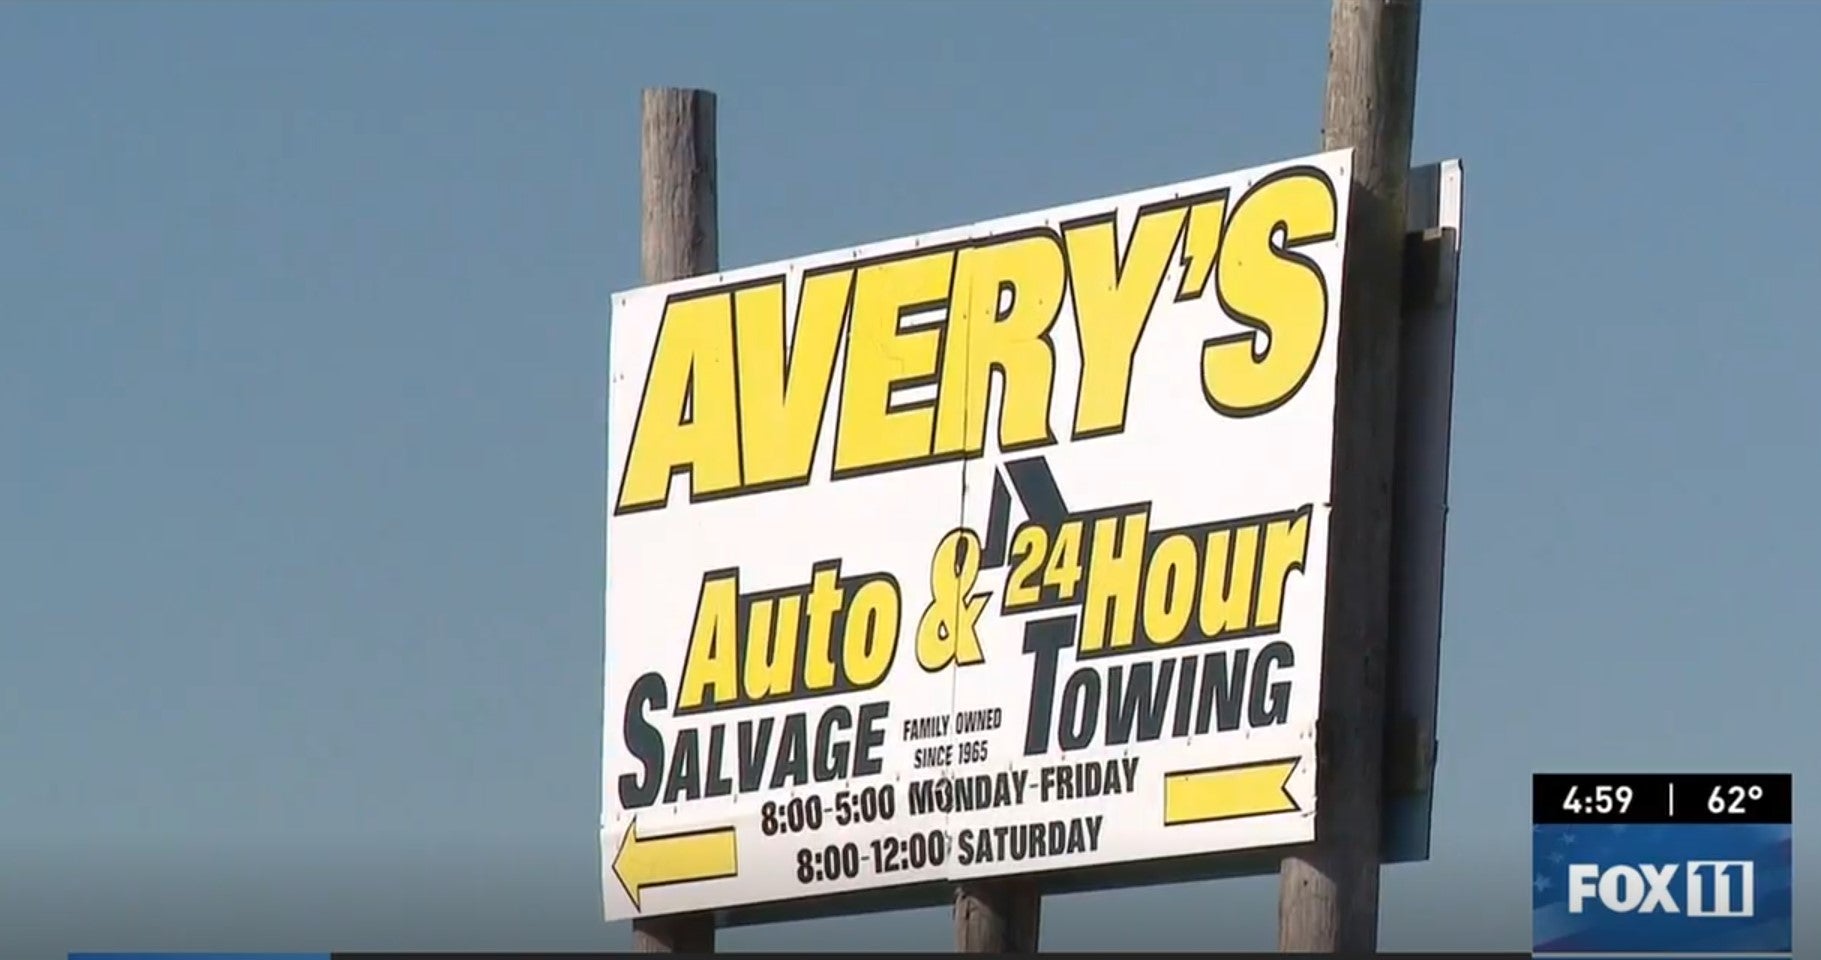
696,855
1227,793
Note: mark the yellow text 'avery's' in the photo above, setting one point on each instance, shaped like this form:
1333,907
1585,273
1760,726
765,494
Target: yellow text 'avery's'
737,393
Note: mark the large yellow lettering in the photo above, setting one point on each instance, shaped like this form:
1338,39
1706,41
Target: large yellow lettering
1006,297
1116,558
1286,549
783,395
1201,244
831,635
869,638
827,595
687,419
1229,579
872,431
1273,290
773,626
712,661
1114,295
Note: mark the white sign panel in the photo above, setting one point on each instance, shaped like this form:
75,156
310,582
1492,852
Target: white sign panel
998,550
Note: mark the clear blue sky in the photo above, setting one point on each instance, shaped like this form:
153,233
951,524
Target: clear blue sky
302,326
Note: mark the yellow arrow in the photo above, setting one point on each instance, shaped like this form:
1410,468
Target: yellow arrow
646,862
1227,793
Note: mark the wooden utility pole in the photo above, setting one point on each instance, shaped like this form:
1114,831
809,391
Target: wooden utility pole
678,238
1328,898
998,916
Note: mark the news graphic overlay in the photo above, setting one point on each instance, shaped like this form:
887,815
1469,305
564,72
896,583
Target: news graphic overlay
1661,864
997,550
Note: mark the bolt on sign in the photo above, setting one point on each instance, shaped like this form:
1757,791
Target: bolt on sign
998,550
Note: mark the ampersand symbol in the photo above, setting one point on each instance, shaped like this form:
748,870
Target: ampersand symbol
948,631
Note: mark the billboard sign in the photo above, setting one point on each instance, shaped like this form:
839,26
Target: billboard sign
997,550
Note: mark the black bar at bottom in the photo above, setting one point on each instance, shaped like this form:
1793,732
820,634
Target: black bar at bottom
1099,955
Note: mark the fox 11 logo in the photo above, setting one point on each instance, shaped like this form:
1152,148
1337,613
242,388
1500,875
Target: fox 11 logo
1652,866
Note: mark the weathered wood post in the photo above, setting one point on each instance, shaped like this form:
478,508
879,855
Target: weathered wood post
1328,900
678,238
999,916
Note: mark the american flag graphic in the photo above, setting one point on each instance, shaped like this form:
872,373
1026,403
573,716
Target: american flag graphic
1597,929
